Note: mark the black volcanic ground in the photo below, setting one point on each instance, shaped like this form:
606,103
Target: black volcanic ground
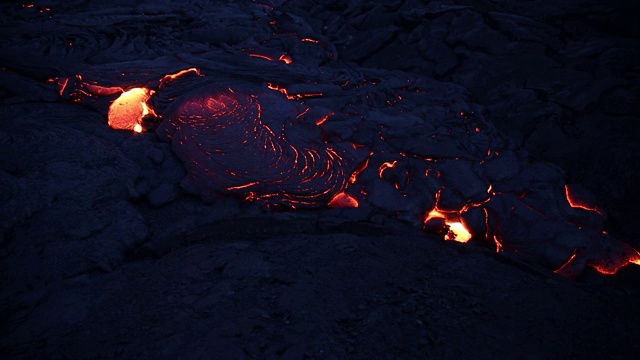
107,252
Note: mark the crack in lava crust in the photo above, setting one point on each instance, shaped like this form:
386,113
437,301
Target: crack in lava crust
228,148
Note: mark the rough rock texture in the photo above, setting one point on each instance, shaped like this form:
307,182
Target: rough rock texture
105,253
559,78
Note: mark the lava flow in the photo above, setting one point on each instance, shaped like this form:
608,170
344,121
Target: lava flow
271,147
455,229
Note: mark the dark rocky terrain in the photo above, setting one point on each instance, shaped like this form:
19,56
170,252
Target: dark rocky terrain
105,253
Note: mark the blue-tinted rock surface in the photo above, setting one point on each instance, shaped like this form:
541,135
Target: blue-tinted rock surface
103,253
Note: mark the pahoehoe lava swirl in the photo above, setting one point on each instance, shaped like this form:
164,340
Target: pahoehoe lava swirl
228,148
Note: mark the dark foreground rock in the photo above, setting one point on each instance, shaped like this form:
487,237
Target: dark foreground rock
335,296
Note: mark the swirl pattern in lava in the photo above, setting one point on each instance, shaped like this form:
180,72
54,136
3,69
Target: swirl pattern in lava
229,148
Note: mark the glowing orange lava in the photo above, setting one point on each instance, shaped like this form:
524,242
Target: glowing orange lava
572,267
354,176
565,269
284,57
289,96
171,77
610,268
62,85
103,90
343,200
385,166
127,111
456,229
457,232
323,119
577,203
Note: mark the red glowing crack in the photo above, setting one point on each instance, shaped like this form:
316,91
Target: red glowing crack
581,204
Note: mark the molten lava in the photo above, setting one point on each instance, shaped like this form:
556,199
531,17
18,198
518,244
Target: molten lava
610,268
171,77
580,204
610,265
128,110
456,230
385,166
343,200
289,96
284,57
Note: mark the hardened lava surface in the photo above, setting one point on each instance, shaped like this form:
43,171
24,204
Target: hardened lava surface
275,179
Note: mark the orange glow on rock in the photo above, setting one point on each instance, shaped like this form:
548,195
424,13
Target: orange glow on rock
385,166
498,243
434,214
610,267
565,269
103,90
354,176
127,111
577,203
171,77
286,59
343,200
452,222
310,40
245,186
323,119
607,266
456,231
289,96
62,85
261,56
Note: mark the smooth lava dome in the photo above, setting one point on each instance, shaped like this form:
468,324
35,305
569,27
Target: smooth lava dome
230,145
